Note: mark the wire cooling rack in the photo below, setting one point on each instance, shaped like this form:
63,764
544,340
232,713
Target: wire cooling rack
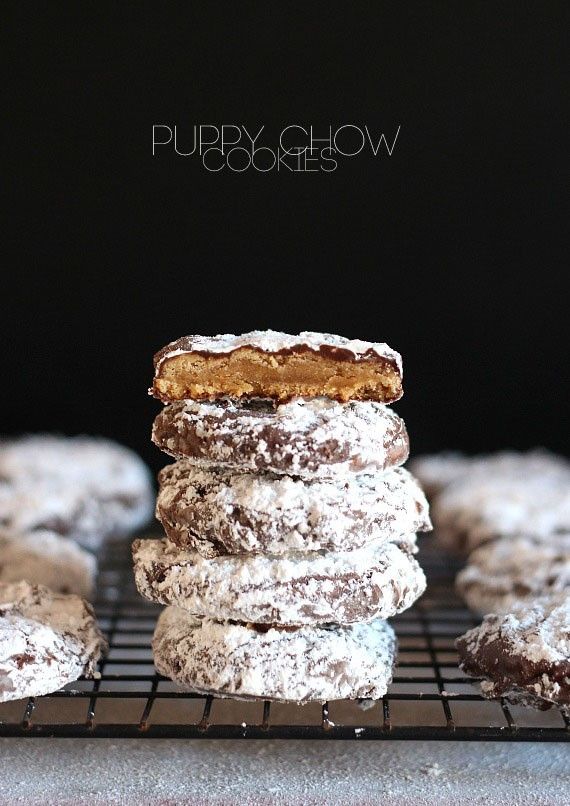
429,698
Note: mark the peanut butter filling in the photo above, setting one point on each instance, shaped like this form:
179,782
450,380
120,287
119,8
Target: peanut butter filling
247,373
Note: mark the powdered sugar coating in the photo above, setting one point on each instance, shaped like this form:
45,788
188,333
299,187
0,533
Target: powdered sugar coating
272,341
46,640
525,654
437,471
308,664
317,438
291,589
528,494
46,558
219,512
82,487
509,571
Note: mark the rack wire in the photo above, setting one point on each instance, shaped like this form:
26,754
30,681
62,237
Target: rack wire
429,698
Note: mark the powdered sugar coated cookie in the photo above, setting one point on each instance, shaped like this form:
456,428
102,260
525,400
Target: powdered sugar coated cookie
509,571
311,439
46,558
524,655
82,487
297,588
301,665
219,512
46,640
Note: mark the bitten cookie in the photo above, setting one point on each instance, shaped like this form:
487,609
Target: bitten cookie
437,471
523,655
302,665
503,573
317,438
46,640
292,589
528,496
81,487
277,366
219,512
45,558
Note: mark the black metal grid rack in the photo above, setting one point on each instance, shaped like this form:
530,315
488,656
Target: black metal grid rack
429,698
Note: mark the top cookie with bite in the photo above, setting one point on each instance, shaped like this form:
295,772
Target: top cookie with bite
276,366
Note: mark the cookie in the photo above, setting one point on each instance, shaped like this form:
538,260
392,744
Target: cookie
504,572
46,558
297,588
311,439
437,471
524,655
219,512
46,640
527,495
82,487
276,366
301,665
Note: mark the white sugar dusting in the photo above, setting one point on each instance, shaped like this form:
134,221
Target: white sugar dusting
272,341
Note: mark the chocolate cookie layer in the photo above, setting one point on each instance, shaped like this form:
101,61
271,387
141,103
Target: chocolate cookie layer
46,640
80,487
308,438
523,655
514,570
292,589
308,664
218,512
277,366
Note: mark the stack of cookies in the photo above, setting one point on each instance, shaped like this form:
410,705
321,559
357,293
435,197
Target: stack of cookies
290,524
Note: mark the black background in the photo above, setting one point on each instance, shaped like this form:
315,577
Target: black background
452,250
